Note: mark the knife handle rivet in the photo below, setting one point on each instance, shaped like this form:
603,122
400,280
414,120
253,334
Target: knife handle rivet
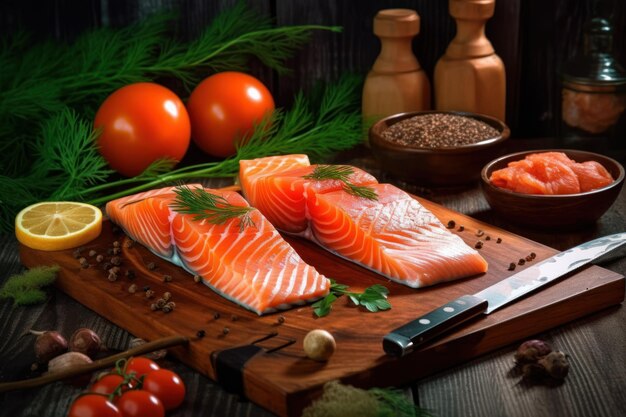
424,321
448,309
461,302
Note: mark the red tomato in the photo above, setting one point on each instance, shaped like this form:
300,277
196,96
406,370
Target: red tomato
107,384
140,403
224,108
167,386
93,405
140,366
141,123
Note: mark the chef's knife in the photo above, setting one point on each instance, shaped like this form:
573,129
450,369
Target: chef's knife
406,338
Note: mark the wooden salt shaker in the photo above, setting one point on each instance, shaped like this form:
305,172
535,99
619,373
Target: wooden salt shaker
396,82
470,76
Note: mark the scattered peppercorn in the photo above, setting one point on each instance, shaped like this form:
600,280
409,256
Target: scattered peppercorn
461,228
77,252
521,261
451,224
171,305
197,278
92,253
512,266
201,334
112,277
117,251
99,258
234,317
106,266
499,240
161,303
146,288
479,244
114,270
281,319
84,263
166,309
154,307
116,244
82,260
226,330
533,255
149,294
116,260
487,237
167,295
528,258
479,233
132,288
167,278
216,316
129,243
151,266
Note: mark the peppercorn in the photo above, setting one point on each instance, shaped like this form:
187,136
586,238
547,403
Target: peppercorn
77,252
499,240
149,294
92,253
201,334
132,288
129,243
116,244
528,258
154,307
512,266
461,228
226,330
116,260
117,251
216,316
106,266
281,319
114,270
479,233
151,266
171,305
112,277
166,309
521,261
161,303
146,288
167,278
533,255
234,317
487,237
99,258
479,244
167,295
451,224
197,278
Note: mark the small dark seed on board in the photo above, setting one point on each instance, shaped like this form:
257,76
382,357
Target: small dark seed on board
511,266
146,288
106,266
281,319
151,266
216,316
149,294
226,330
499,240
116,260
529,258
201,334
99,258
234,317
533,255
451,224
116,244
129,243
167,278
92,253
521,261
487,237
479,244
479,233
77,253
461,228
132,288
197,278
117,251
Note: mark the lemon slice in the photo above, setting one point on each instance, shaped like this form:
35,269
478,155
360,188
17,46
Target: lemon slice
58,225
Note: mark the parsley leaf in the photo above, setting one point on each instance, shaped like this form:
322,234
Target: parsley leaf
373,298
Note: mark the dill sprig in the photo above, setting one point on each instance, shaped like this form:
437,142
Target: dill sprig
214,208
26,288
342,173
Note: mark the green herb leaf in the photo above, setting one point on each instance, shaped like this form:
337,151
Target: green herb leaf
342,173
25,288
212,207
373,298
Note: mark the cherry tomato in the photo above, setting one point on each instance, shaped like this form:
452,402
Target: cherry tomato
141,123
167,386
140,403
224,108
108,384
140,366
93,405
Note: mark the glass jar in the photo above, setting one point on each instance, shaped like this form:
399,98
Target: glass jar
593,95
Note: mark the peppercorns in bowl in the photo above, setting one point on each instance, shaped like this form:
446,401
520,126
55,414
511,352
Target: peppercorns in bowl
437,148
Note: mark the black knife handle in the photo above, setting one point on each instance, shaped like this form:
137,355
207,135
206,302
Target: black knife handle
406,338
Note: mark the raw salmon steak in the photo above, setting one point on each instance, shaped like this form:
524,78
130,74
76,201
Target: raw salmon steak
393,235
252,266
551,173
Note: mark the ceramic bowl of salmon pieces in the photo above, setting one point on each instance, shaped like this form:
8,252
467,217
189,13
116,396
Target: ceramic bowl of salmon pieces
437,148
556,188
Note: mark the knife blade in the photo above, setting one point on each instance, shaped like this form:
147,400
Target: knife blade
406,338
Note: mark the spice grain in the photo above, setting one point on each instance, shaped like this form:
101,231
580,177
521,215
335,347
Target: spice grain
438,130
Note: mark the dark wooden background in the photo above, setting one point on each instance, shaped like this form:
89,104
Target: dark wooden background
533,38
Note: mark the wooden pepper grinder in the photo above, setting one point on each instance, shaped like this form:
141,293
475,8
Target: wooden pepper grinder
470,76
396,82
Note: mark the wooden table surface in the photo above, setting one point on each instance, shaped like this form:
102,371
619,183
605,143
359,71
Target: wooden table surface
596,344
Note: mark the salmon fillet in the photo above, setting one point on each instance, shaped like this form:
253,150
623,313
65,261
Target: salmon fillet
393,235
253,267
551,173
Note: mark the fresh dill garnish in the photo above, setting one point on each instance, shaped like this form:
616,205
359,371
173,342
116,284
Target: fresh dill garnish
214,208
26,288
373,298
342,173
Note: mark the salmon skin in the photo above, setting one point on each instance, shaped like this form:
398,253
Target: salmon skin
393,235
253,267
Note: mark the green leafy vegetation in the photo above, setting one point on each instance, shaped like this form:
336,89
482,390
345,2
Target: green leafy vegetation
26,288
373,298
342,173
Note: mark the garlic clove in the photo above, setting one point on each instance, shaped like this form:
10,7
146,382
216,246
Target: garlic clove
66,361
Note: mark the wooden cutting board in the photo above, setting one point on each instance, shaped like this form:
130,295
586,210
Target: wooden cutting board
275,373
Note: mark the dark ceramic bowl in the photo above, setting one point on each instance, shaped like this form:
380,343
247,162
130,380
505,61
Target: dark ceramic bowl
439,167
553,211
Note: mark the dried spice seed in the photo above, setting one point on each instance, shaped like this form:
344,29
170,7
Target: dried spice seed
154,307
112,277
439,130
116,260
216,316
234,317
197,278
116,244
161,303
167,296
167,309
487,237
129,243
529,258
114,270
201,334
149,294
479,244
533,255
77,253
281,319
451,224
226,330
151,266
146,288
512,266
117,251
99,258
132,288
106,266
461,228
92,253
521,261
167,278
171,305
499,240
479,233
